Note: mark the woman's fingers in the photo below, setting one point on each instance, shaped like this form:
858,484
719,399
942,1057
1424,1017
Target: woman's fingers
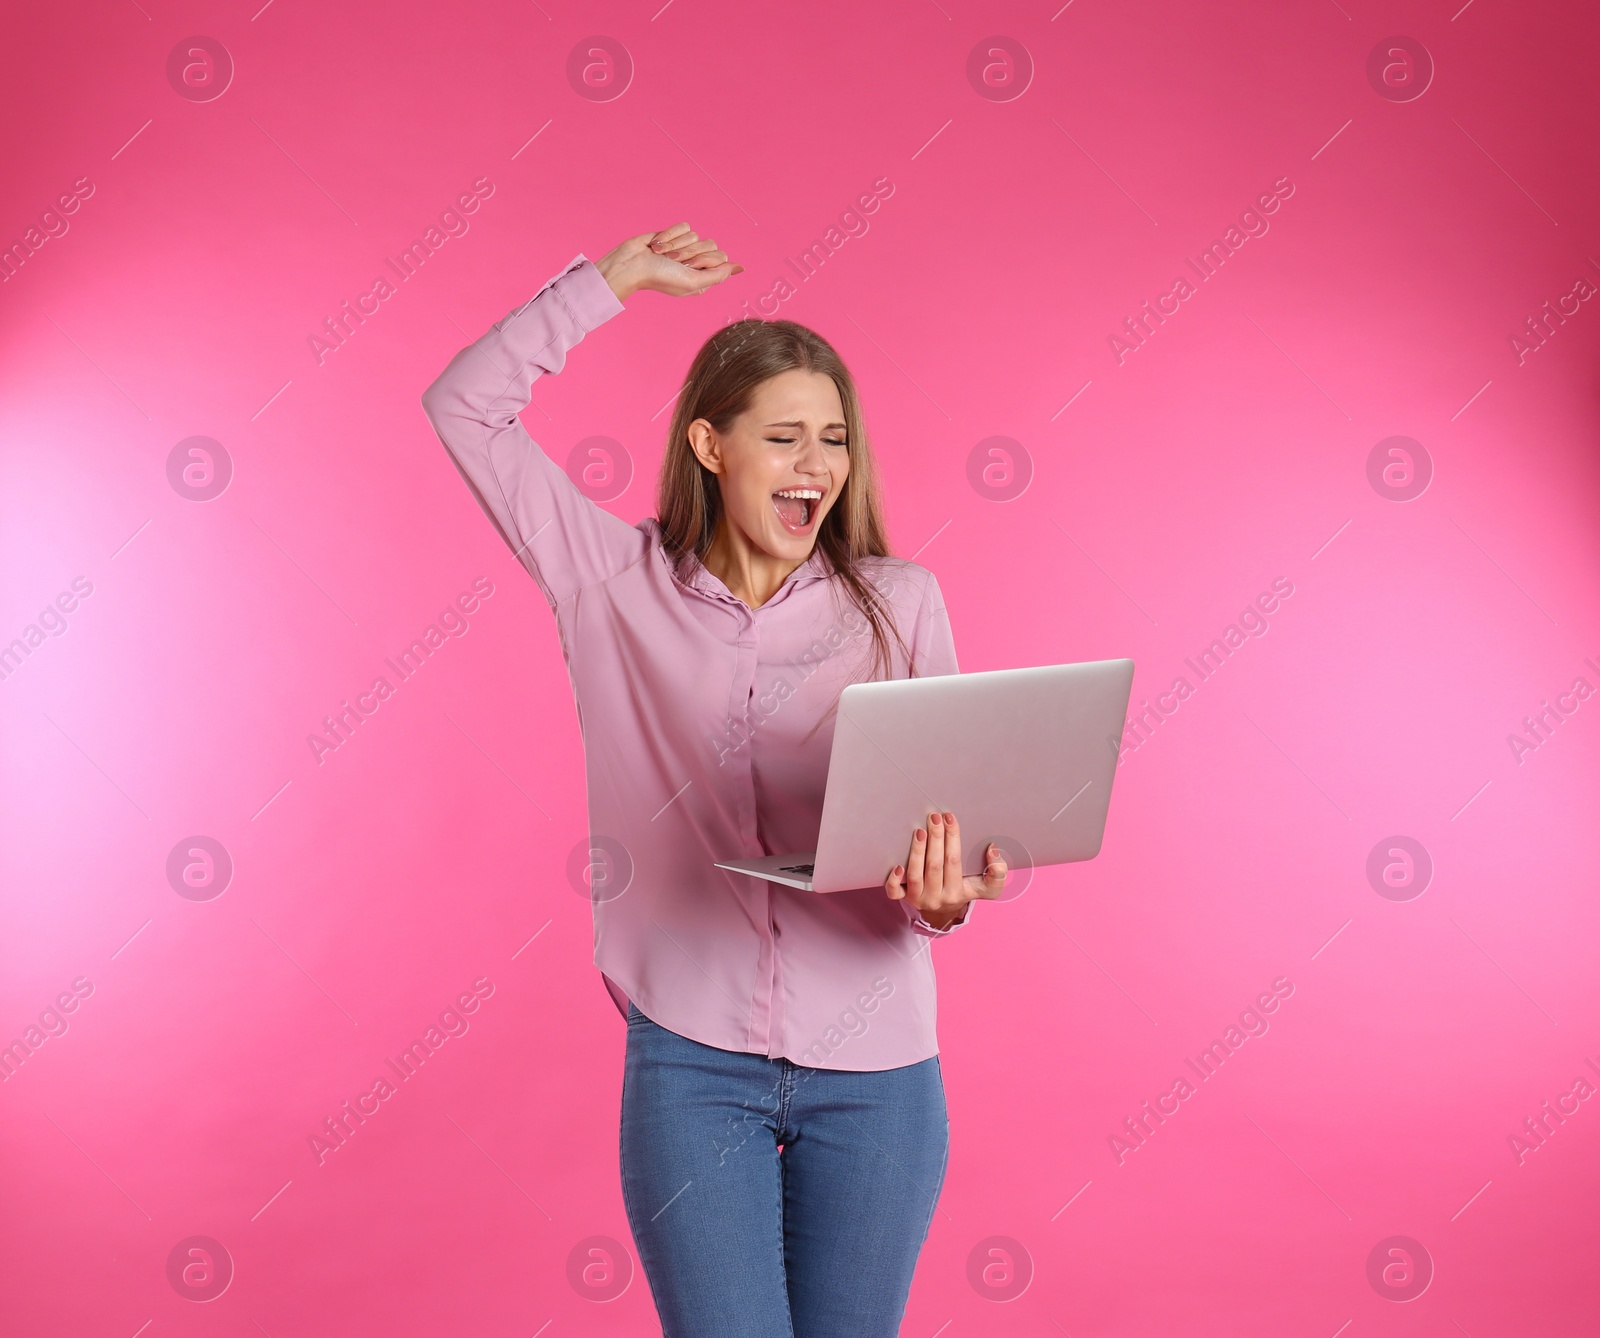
952,850
995,870
701,256
678,261
931,877
916,865
659,242
697,282
933,871
674,241
689,252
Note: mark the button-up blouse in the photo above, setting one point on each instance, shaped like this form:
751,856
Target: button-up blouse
707,727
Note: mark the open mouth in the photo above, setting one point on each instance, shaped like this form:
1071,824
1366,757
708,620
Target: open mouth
797,508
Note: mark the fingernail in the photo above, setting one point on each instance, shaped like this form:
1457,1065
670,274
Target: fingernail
920,833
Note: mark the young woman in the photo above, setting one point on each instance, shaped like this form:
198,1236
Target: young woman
783,1133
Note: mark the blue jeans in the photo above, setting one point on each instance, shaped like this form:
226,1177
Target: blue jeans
770,1200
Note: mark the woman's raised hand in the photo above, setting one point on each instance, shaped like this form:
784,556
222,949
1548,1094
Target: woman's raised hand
931,880
673,261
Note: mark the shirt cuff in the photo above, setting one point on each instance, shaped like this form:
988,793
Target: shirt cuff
582,290
586,293
920,924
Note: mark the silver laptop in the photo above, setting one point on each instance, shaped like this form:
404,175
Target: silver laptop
1024,757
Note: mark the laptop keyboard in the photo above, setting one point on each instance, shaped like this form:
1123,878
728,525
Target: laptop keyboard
806,869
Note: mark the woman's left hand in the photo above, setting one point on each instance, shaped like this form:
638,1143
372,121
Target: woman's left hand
931,878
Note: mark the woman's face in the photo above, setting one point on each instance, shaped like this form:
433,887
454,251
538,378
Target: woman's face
783,463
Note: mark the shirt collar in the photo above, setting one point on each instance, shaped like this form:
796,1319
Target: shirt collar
698,577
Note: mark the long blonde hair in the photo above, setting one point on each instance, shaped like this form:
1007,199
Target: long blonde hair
721,383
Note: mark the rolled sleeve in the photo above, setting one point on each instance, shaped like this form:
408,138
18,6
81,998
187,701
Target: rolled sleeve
920,924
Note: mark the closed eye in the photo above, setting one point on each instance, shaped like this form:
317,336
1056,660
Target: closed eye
790,441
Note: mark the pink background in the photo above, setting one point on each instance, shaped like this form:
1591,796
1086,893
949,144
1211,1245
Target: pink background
1167,491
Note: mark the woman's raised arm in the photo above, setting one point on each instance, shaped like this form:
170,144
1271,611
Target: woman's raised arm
564,539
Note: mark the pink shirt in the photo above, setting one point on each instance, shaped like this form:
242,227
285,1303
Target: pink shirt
707,727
